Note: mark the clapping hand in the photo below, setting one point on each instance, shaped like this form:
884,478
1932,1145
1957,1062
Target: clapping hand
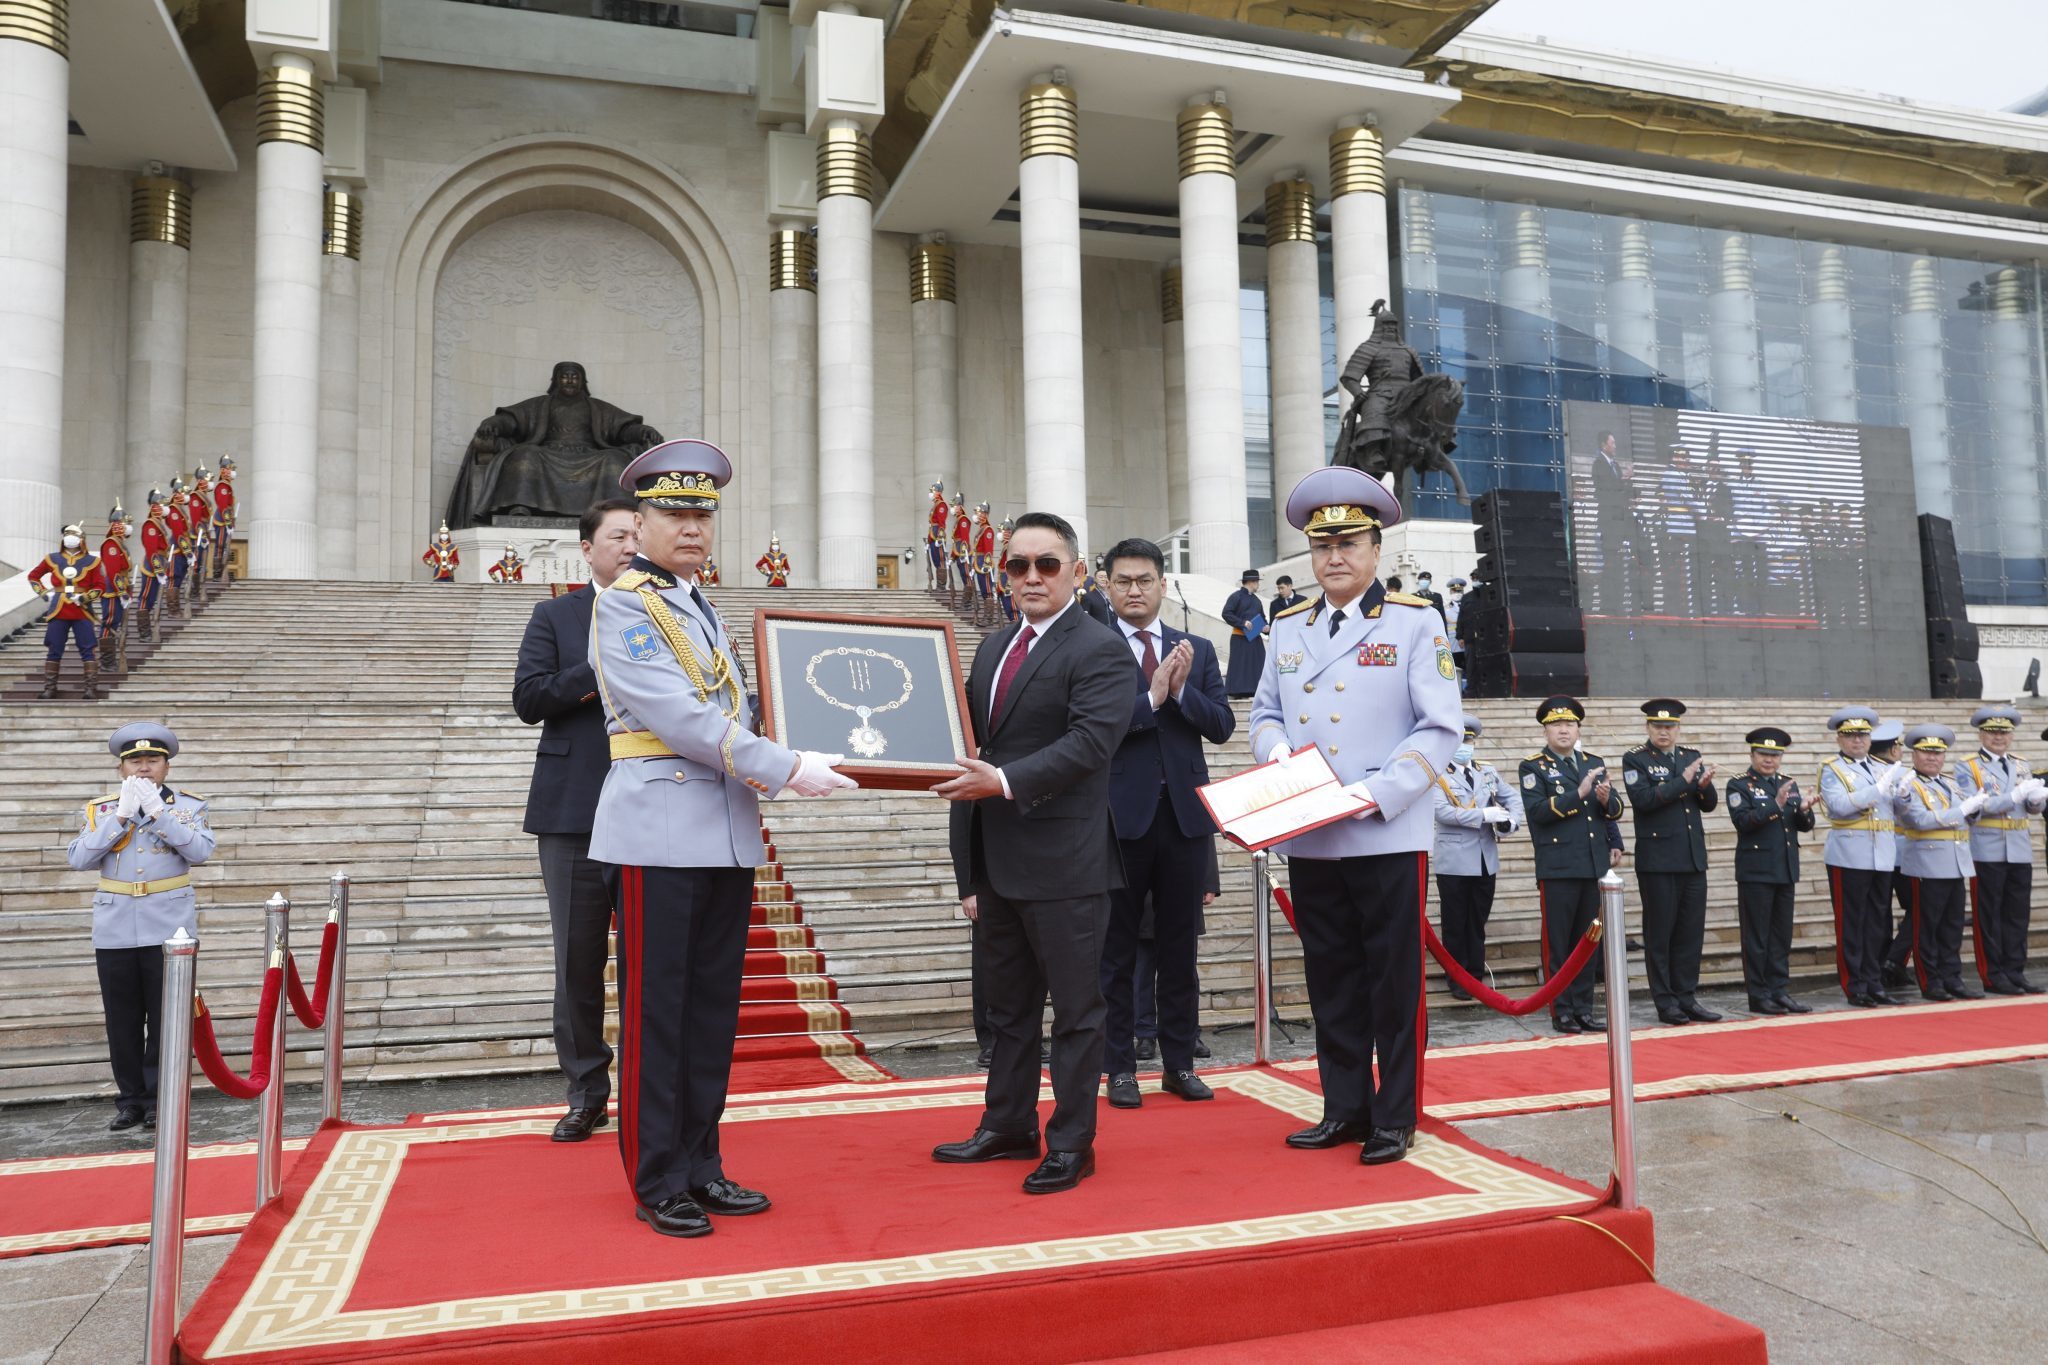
130,800
1785,794
149,797
1172,673
1692,770
1586,783
1972,804
1602,790
1706,777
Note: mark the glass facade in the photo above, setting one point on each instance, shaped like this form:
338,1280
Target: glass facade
1531,306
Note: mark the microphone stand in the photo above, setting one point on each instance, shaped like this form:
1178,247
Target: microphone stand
1184,618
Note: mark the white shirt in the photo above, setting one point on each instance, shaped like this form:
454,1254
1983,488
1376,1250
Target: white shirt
1133,636
1038,632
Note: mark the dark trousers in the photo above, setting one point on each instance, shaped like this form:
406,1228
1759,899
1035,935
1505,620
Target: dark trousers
682,946
1145,990
580,913
1027,951
1464,904
1360,921
1901,946
1570,905
1765,911
131,995
1674,927
2001,902
1167,866
1937,904
179,566
984,1036
1863,926
82,633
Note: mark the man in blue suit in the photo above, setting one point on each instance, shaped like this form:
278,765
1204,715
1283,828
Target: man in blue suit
1163,830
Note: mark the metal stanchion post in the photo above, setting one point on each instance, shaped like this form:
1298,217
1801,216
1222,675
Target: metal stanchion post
277,913
173,1132
337,995
1262,959
1621,1062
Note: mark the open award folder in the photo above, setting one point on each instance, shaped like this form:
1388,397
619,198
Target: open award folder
1262,806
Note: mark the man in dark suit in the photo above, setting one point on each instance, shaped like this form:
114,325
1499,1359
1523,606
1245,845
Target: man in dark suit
1035,854
1615,520
1284,600
1163,830
556,689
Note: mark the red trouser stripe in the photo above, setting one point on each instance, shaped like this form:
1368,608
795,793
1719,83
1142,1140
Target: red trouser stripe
1977,933
629,1026
1841,958
1919,958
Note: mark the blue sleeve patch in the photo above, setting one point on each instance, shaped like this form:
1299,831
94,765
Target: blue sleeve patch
641,644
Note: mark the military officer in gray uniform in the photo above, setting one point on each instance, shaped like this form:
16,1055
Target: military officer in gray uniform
1668,785
2002,847
678,828
1475,810
1366,676
1934,815
1856,791
1570,799
144,839
1769,813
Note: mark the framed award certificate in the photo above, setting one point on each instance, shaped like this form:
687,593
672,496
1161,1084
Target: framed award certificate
886,691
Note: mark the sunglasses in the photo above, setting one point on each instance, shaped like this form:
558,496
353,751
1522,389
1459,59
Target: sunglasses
1047,566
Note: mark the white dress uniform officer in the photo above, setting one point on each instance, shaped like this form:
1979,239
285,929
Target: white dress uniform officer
1366,676
1861,855
143,839
1474,810
678,828
2002,847
1934,815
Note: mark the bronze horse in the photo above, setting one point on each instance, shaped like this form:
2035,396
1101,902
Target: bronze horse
1423,423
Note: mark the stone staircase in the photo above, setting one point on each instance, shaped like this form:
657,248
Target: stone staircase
368,727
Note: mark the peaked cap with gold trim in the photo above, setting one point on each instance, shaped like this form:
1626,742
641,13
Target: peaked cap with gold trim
1338,500
679,475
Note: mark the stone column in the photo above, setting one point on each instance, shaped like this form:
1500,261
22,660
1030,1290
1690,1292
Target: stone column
934,366
846,358
35,103
2017,471
1049,199
159,277
793,390
1923,390
1358,232
1632,317
1294,339
1174,363
1219,536
340,315
1831,339
1732,344
284,437
1526,319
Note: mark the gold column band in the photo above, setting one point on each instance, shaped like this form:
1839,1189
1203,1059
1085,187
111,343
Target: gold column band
792,260
1737,270
1635,251
1923,287
160,210
1290,212
1169,294
1208,142
343,225
290,108
932,273
1528,245
1358,162
846,165
1831,279
2006,299
46,23
1048,122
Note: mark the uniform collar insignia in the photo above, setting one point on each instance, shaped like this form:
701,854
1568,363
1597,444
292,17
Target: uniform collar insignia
658,576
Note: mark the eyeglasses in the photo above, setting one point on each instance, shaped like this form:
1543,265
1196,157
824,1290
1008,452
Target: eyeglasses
1047,566
1145,584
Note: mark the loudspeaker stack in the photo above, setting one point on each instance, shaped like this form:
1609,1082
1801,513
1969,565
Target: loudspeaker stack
1951,639
1521,627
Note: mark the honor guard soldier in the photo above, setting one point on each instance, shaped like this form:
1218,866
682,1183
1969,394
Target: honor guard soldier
935,539
143,839
199,516
707,576
509,568
2002,848
774,565
960,548
678,827
1769,814
1934,816
156,565
70,579
1887,748
117,572
1569,798
175,522
984,567
1475,810
223,514
1365,675
1862,854
1003,599
1669,785
441,556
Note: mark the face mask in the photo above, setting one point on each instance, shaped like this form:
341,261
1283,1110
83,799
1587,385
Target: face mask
1463,755
1423,583
71,542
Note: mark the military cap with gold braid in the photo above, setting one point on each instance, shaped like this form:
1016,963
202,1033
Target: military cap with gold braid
1853,720
1664,709
1338,500
1930,738
1996,718
143,737
1768,738
1559,708
680,475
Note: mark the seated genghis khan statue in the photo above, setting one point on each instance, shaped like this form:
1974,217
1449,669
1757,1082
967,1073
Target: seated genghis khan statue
549,456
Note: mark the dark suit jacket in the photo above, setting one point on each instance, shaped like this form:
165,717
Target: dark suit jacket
1167,744
1066,712
556,688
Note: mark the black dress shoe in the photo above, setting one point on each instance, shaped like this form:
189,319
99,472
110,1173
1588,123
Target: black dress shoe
1632,944
1671,1014
1385,1144
1885,998
1460,993
1060,1171
1148,1049
579,1123
985,1058
676,1217
124,1119
1328,1133
1895,977
1564,1023
1202,1053
1591,1022
1962,992
149,1119
1792,1006
1699,1013
1123,1091
987,1146
1862,1000
1187,1085
2003,988
2029,987
1767,1007
1935,991
730,1198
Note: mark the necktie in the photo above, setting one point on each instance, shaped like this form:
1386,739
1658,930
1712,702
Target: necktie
704,610
1150,663
1336,620
1011,664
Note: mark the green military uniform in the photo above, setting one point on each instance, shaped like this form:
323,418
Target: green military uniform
1671,865
1570,835
1766,870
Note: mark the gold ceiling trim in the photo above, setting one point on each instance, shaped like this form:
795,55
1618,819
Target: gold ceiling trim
1415,27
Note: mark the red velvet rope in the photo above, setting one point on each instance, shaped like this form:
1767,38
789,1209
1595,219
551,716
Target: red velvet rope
1528,1004
312,1013
208,1047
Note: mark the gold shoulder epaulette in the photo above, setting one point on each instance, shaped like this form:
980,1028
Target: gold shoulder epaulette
631,579
110,799
1305,604
187,791
1532,756
1409,599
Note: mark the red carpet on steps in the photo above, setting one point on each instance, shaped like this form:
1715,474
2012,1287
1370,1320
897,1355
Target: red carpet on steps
353,1263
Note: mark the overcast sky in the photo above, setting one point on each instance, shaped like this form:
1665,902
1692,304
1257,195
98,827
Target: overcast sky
1984,54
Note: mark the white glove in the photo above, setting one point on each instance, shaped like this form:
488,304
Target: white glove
814,775
1494,815
1358,790
149,797
130,801
1894,778
1279,751
2027,791
1972,804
